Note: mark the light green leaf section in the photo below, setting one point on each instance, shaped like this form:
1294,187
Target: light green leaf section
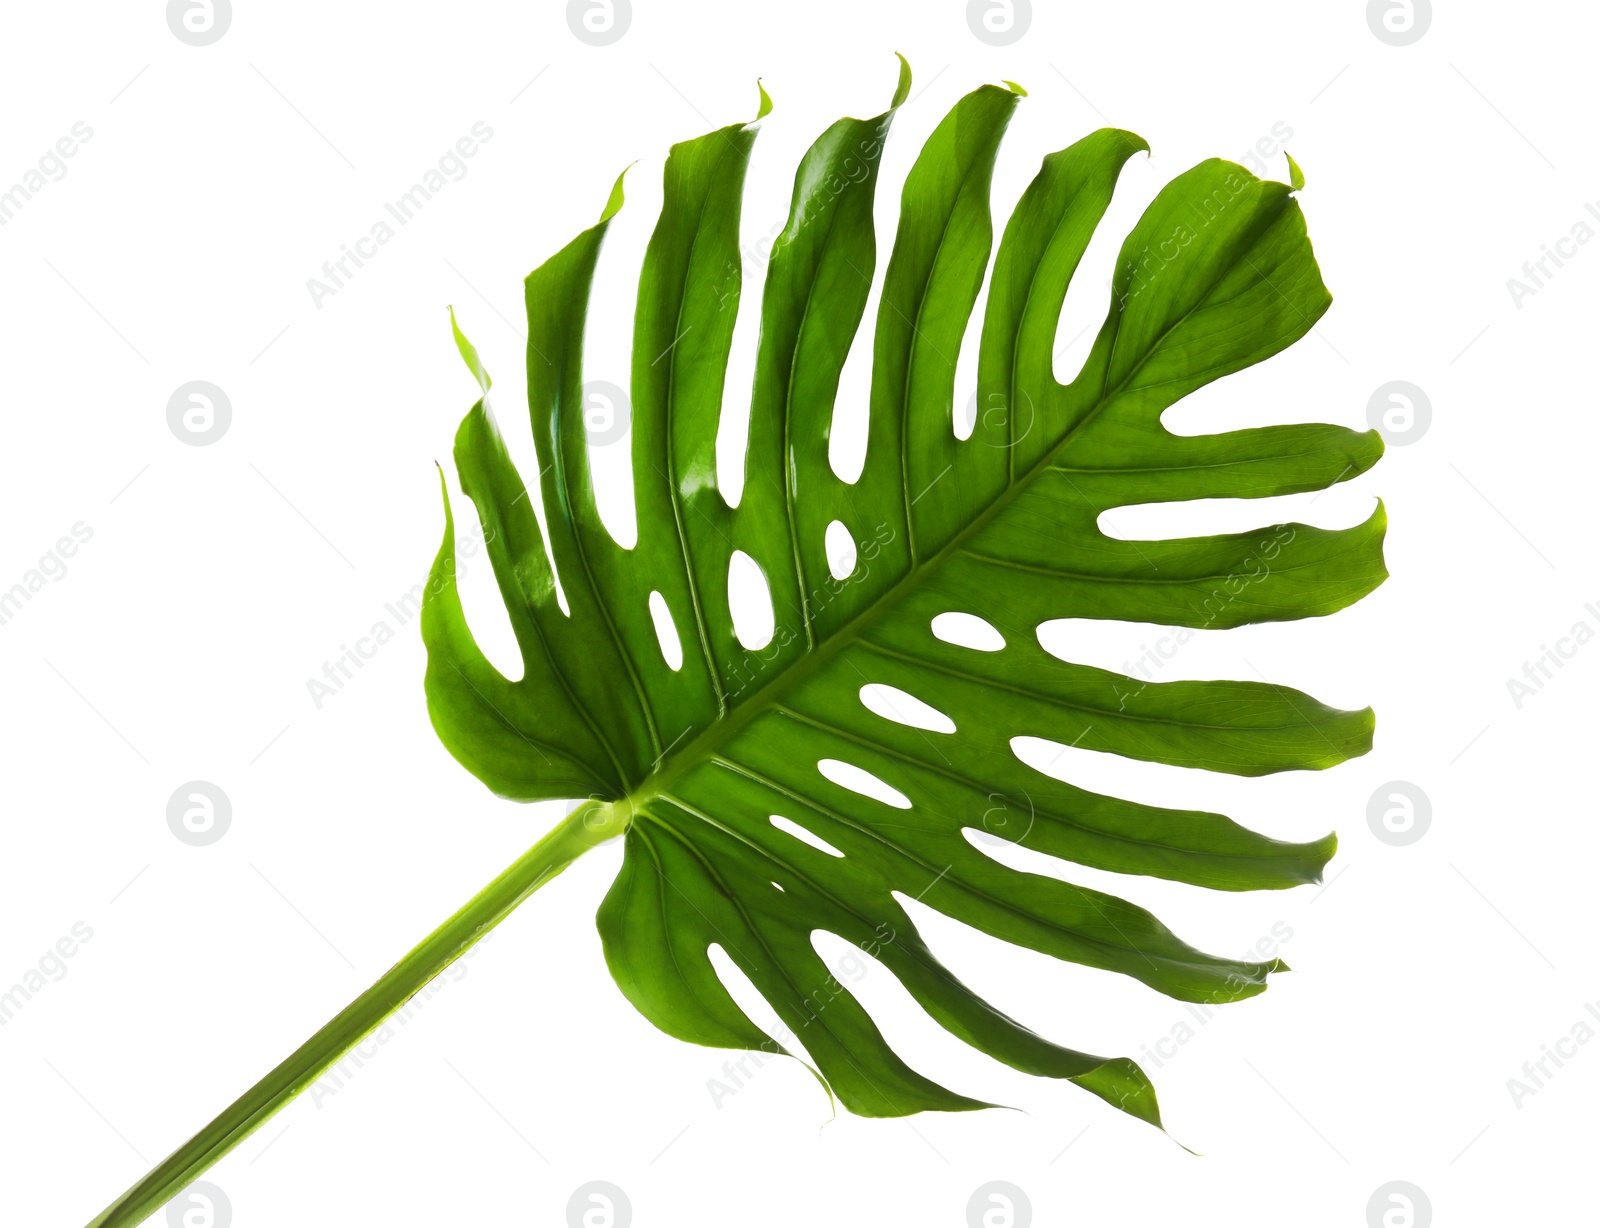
1216,276
1297,177
469,352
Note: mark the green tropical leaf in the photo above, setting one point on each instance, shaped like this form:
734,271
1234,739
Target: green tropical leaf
694,762
728,772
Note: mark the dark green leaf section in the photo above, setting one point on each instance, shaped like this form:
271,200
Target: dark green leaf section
1216,276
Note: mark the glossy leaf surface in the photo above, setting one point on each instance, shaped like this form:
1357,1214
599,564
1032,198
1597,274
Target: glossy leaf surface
1216,276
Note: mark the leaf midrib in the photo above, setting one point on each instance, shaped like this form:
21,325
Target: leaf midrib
672,767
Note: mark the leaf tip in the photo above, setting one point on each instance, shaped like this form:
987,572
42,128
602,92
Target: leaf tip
615,201
903,89
1015,88
1379,520
765,108
449,518
1366,727
1297,177
1199,1155
469,354
1322,852
1123,1084
1372,439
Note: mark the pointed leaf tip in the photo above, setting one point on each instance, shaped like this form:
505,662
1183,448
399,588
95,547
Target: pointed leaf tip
469,354
766,101
615,201
444,494
1015,88
903,89
1297,177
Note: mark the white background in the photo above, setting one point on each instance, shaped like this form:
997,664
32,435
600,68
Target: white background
219,579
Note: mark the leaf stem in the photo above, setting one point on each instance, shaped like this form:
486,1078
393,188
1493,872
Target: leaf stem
589,825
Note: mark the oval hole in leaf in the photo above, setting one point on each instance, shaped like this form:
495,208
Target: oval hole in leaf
749,601
778,885
966,416
841,550
859,780
967,631
805,836
666,632
904,708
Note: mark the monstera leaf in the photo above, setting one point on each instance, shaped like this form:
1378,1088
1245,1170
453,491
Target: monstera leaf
696,761
761,799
